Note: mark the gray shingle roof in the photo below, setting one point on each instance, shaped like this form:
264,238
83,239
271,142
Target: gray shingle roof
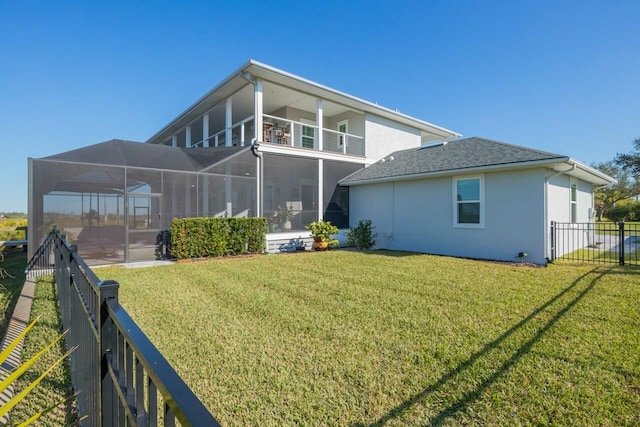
455,156
117,152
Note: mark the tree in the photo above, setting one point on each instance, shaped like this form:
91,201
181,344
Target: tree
627,186
631,161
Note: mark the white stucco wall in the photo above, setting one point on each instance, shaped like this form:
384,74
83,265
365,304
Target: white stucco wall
383,137
418,216
559,198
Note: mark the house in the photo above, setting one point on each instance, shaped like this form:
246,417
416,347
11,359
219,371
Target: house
473,197
268,143
263,142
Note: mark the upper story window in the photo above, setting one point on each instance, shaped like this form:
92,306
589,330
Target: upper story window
307,133
574,200
468,202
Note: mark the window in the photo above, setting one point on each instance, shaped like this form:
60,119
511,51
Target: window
307,134
343,128
574,201
468,202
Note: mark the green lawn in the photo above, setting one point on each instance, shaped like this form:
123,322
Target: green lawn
57,385
387,338
631,228
12,266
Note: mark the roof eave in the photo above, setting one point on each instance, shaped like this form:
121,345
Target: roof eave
600,177
384,111
255,68
460,171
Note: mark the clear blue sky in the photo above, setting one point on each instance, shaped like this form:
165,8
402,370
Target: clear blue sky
561,76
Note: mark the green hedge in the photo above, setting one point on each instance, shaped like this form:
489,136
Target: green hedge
208,237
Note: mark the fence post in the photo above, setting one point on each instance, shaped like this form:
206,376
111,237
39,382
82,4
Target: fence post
621,241
108,289
553,241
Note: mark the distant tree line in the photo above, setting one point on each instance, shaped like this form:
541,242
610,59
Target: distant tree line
13,215
614,201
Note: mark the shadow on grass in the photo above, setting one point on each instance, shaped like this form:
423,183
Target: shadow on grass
462,402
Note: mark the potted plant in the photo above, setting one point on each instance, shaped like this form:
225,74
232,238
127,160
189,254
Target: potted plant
321,231
284,215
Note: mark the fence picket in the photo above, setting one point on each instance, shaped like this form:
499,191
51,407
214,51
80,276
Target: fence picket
600,242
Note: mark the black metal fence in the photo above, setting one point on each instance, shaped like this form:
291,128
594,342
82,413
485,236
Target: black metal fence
600,242
120,377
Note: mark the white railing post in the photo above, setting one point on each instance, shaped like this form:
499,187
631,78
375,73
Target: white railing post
228,122
205,130
319,123
257,109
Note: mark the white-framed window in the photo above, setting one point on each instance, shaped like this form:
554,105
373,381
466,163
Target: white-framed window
308,134
573,200
468,201
343,129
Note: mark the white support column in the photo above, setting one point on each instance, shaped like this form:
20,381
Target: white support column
205,130
228,122
187,201
174,141
257,109
228,191
320,188
259,161
188,136
319,122
205,195
242,134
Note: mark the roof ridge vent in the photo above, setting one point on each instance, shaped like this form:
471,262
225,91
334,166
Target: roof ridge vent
433,144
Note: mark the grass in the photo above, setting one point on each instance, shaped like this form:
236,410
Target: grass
13,263
387,338
596,255
612,228
58,384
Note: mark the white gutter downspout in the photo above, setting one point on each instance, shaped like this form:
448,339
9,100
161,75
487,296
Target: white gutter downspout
256,152
547,247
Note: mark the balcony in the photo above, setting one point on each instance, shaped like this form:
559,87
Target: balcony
281,131
285,132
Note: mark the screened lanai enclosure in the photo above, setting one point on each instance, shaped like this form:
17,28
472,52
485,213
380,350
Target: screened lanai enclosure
113,199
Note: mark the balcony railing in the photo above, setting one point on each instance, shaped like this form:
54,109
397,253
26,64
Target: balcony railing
278,130
241,135
281,131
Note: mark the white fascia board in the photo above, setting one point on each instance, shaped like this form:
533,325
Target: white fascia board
602,178
462,171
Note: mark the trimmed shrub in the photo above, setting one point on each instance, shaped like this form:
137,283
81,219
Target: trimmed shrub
362,236
212,237
629,211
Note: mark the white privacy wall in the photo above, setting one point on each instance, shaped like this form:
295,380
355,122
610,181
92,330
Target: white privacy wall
417,216
383,136
570,239
560,199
